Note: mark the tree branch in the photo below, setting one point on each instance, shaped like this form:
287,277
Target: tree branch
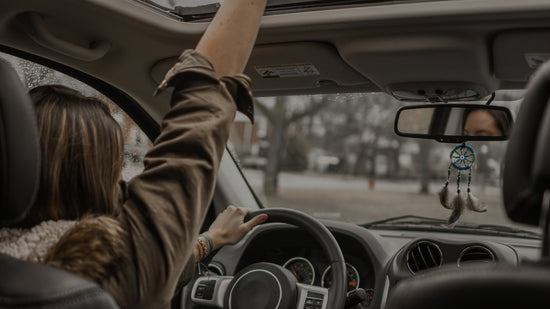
266,111
313,107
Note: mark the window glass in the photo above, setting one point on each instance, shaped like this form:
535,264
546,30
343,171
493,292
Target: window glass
136,143
203,10
277,4
337,157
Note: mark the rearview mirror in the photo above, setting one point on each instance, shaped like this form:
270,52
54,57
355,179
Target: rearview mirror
454,123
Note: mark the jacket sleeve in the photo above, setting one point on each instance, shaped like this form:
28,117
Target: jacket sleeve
166,204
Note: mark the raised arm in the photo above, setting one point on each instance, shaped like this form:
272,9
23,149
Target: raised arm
228,41
167,203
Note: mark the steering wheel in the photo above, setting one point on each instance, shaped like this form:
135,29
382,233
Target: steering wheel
268,285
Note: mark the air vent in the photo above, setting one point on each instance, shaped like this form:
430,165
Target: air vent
476,254
216,268
424,255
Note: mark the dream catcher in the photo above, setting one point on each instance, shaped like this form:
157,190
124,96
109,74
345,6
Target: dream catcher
463,158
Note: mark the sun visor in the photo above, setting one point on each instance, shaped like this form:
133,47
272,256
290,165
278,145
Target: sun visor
410,64
308,65
291,67
518,53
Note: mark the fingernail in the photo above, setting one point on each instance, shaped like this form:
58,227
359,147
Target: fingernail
263,217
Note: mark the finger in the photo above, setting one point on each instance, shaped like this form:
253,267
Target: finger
255,221
241,211
245,210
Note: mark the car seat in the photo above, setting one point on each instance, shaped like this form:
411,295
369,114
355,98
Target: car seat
25,284
526,185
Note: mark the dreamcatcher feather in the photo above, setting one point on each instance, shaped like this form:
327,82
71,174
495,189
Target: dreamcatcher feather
463,158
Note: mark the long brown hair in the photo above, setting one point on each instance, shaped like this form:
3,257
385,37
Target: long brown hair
82,156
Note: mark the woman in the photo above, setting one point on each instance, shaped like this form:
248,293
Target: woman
485,122
138,240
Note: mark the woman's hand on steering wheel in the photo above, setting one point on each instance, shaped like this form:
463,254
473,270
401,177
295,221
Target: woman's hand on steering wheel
268,285
229,227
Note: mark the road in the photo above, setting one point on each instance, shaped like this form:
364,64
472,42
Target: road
350,199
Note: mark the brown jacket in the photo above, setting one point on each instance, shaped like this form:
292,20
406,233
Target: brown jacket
164,206
167,203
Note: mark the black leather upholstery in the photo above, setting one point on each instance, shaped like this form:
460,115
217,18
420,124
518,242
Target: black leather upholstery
479,287
19,148
24,284
525,178
30,285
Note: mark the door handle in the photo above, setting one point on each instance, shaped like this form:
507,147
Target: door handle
34,26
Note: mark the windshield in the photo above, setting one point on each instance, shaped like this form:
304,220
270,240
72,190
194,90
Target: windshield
337,157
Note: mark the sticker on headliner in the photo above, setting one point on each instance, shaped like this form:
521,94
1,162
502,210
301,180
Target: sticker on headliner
535,60
287,70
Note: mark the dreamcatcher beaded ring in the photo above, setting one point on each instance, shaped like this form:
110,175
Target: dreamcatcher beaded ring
463,158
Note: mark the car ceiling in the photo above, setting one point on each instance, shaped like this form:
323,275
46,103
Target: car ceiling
481,44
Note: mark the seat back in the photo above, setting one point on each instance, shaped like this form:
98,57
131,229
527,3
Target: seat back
475,287
25,284
526,168
19,148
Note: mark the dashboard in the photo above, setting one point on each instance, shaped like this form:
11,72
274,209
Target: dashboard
299,253
375,259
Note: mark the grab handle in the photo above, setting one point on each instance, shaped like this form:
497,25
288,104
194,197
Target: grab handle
36,29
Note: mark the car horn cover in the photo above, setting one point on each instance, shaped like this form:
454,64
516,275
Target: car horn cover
261,285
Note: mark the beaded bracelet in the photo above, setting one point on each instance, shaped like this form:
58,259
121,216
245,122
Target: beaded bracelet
209,240
200,250
203,248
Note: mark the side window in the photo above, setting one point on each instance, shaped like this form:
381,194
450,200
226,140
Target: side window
136,143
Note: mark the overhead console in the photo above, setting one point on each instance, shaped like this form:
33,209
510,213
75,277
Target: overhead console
517,53
427,67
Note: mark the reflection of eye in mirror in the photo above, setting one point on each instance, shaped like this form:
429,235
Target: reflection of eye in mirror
454,122
485,122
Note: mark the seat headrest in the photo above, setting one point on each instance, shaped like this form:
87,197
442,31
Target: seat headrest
19,148
526,167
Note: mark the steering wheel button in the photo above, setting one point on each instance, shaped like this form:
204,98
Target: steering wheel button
200,290
313,303
315,295
208,293
205,291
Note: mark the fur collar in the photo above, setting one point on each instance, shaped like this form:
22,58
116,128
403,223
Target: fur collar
93,247
33,244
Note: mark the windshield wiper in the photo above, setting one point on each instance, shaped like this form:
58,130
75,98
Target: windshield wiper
409,219
418,223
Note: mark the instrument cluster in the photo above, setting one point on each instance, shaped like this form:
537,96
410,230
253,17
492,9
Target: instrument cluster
305,273
304,258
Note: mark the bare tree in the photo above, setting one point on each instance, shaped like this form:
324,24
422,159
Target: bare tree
356,124
425,171
280,117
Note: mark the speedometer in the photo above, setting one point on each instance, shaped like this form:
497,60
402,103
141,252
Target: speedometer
352,276
302,269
